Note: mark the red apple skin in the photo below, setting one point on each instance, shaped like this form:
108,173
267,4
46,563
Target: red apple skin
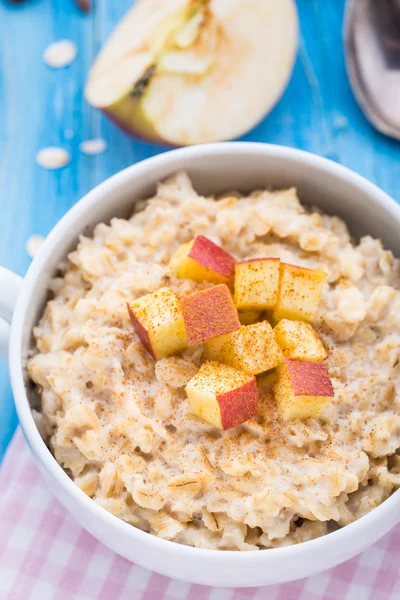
141,332
212,257
209,314
239,405
309,378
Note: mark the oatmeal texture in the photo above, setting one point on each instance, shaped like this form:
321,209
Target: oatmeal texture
118,422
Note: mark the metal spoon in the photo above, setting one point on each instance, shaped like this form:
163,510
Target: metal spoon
372,50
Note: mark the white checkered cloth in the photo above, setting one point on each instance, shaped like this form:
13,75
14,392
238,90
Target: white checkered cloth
46,555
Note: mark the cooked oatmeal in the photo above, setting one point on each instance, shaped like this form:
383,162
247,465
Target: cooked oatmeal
118,422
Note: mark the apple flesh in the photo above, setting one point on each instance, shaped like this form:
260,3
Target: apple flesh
299,340
202,260
222,396
256,284
302,389
252,349
195,71
300,291
158,322
209,314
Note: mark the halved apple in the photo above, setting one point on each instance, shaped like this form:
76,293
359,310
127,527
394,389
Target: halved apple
222,396
209,314
202,260
194,71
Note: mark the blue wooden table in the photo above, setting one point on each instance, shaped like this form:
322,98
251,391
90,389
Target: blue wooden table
41,107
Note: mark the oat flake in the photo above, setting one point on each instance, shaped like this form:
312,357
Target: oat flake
94,146
33,245
341,122
52,158
60,54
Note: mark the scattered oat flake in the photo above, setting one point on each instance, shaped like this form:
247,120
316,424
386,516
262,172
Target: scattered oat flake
60,54
33,245
341,121
52,158
92,147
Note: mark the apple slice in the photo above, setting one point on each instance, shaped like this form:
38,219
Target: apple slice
222,396
300,291
202,260
158,321
299,340
194,71
209,314
303,389
256,283
252,349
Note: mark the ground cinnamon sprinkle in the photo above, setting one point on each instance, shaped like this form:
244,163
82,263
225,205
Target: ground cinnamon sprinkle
219,380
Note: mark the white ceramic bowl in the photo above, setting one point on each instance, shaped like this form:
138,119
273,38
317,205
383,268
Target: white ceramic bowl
213,168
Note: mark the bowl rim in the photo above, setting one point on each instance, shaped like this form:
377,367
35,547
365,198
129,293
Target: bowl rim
37,445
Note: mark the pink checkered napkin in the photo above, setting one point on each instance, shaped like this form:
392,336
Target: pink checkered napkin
46,555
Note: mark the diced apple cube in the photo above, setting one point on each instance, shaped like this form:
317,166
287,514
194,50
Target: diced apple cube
158,321
209,314
256,283
202,260
222,396
303,389
300,291
299,340
251,349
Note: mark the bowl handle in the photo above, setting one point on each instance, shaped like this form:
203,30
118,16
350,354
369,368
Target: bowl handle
10,284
